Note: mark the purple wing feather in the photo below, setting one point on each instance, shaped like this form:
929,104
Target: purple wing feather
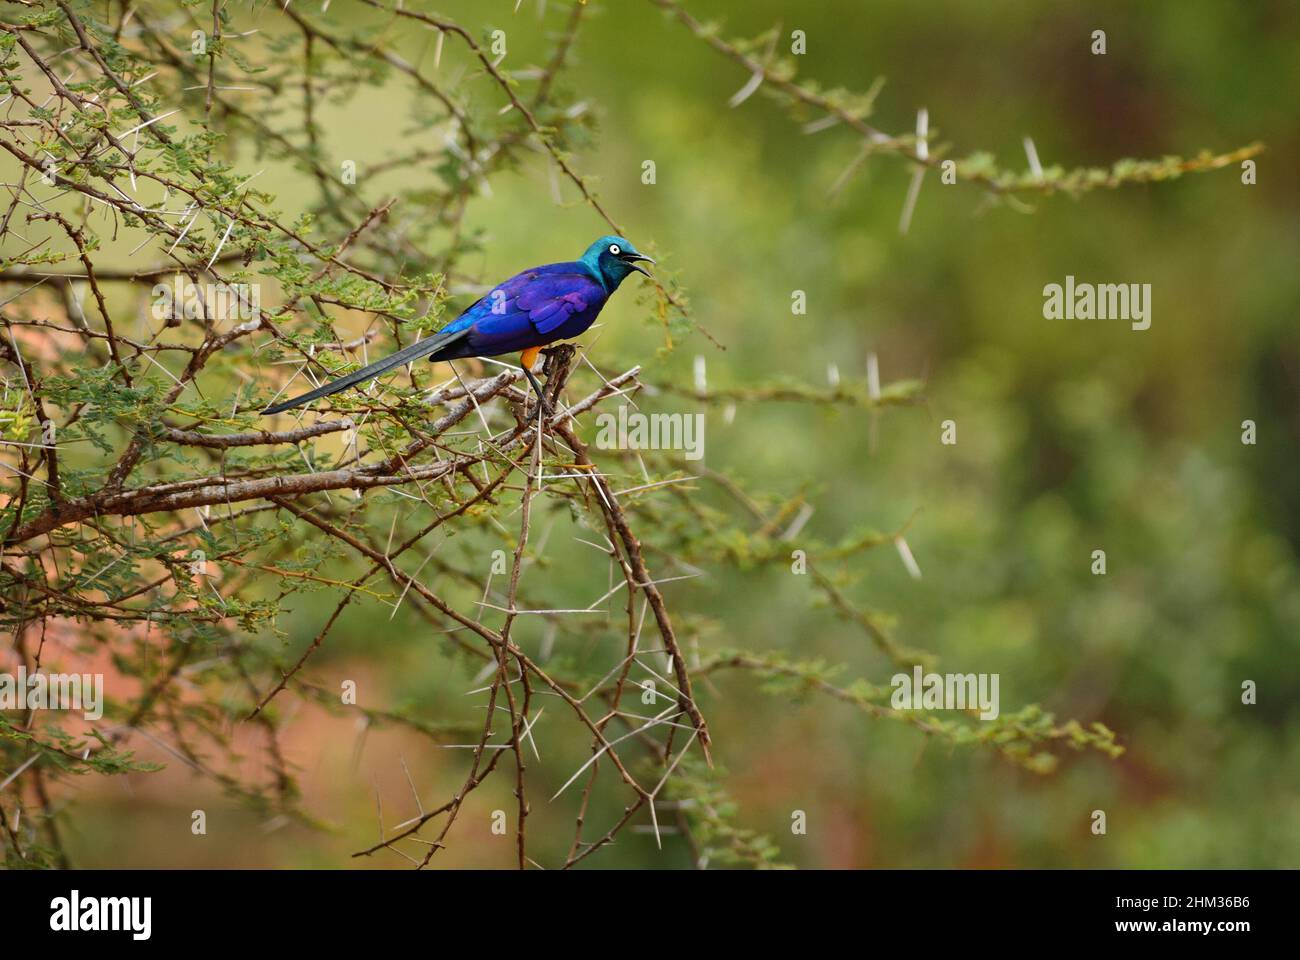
531,309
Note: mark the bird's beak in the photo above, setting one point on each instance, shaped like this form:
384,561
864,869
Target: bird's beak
631,258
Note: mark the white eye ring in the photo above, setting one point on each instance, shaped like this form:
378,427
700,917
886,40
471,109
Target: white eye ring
613,248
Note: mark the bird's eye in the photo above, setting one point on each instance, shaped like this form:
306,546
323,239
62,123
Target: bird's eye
613,248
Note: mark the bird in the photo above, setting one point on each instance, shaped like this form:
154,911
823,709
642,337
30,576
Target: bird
534,308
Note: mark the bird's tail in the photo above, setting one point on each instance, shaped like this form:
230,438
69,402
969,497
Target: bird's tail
415,351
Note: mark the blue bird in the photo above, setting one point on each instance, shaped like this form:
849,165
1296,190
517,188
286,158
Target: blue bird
540,306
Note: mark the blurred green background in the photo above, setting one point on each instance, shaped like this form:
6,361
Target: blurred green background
1073,435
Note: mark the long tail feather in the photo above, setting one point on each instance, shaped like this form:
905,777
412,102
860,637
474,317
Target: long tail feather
415,351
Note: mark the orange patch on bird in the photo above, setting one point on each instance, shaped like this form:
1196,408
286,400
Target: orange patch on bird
529,357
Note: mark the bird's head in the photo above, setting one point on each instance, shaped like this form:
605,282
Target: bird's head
612,259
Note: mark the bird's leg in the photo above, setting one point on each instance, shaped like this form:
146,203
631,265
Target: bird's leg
543,405
528,358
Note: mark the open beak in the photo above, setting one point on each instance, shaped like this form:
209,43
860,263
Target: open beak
631,260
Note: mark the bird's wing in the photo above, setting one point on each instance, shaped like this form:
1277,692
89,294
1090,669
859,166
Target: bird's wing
527,309
415,351
549,301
